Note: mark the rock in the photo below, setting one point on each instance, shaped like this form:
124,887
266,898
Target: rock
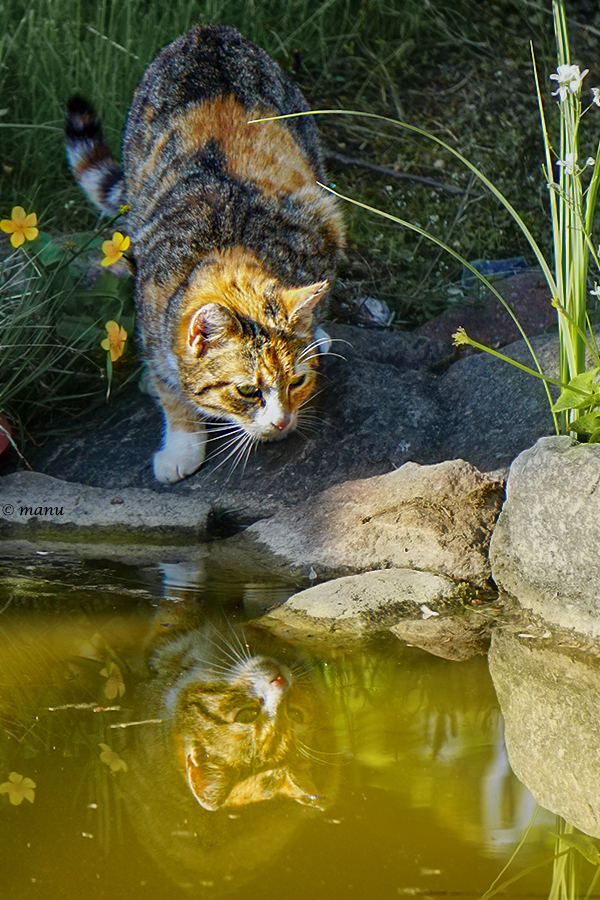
491,407
37,504
544,550
358,605
436,518
392,399
450,637
486,320
550,706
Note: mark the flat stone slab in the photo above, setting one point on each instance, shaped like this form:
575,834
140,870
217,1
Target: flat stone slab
32,503
358,605
437,518
549,698
545,547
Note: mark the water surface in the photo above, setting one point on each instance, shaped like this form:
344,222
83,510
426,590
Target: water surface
415,796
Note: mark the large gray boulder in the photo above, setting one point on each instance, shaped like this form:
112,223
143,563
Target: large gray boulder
549,698
433,518
545,547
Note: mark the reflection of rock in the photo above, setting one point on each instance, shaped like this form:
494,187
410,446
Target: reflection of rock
228,765
550,705
544,550
448,636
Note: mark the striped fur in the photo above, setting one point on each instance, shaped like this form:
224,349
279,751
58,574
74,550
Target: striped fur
234,242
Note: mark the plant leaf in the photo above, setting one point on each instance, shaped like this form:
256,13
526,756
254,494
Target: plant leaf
585,845
581,391
587,424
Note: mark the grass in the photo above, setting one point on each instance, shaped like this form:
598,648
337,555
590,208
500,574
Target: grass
463,72
460,71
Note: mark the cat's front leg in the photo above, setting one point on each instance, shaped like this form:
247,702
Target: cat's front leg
184,440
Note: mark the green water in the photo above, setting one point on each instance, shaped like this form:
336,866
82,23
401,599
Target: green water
425,804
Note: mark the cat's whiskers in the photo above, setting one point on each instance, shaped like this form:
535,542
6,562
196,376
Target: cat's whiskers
231,441
224,647
326,353
246,655
318,343
241,446
317,755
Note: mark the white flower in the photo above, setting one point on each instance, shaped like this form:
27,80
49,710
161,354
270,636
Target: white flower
596,96
569,80
569,163
590,161
596,291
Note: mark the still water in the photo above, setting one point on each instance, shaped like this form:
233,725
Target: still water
156,742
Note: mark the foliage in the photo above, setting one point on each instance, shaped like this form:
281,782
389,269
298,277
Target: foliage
50,327
458,68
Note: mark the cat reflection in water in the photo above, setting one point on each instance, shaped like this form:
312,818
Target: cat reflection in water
243,754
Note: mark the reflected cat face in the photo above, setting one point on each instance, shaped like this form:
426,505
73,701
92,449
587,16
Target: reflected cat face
247,720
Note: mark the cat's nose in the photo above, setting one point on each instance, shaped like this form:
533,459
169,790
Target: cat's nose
283,422
279,681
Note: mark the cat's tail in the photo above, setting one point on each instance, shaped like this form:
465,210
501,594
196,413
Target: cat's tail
95,169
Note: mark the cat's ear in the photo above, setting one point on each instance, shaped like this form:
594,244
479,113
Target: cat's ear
301,302
210,784
210,325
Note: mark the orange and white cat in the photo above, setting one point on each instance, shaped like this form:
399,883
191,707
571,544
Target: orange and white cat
234,242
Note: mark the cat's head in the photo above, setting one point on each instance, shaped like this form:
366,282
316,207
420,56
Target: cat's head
246,348
245,725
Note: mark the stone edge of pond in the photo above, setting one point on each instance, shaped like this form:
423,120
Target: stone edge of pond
38,506
544,547
422,608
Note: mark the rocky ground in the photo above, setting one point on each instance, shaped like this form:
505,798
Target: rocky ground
388,397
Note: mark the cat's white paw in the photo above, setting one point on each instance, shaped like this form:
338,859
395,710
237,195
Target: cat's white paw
181,455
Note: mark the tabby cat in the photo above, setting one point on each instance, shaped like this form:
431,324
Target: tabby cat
234,749
244,715
234,243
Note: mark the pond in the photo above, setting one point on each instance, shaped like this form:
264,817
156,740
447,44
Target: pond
157,742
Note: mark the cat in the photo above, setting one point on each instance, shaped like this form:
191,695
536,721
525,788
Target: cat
244,714
234,751
233,241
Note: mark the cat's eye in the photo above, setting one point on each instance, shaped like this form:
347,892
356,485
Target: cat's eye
249,391
299,380
295,714
247,714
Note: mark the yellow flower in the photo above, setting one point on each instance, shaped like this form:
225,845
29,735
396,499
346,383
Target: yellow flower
20,226
116,340
112,759
114,249
115,686
18,788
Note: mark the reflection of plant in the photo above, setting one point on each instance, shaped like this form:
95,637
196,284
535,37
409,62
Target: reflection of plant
112,759
571,847
115,686
18,788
